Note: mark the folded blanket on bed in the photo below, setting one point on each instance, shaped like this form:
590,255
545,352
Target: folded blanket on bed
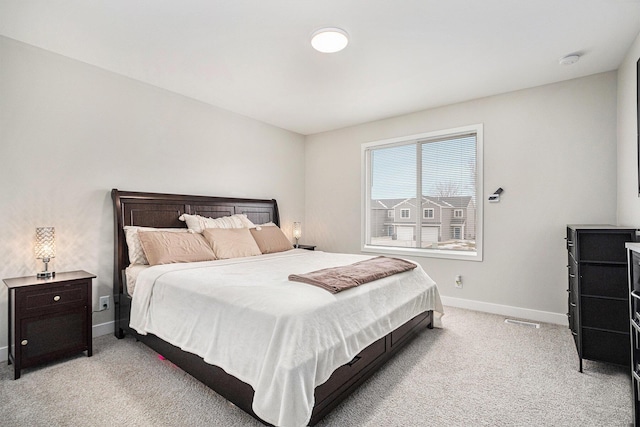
341,278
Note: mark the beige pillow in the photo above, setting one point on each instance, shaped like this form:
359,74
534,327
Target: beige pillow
136,254
231,242
197,223
166,248
270,239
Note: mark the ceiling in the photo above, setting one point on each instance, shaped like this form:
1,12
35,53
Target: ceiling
253,57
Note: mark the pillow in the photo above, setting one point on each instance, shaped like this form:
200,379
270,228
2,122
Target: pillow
136,254
166,248
266,224
197,223
270,239
231,242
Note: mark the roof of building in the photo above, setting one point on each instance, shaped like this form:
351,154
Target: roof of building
445,202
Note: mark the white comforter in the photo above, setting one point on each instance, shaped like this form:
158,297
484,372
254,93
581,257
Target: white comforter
283,338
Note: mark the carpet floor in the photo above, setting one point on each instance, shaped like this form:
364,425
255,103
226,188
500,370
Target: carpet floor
475,371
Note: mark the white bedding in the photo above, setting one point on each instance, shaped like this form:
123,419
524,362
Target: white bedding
283,338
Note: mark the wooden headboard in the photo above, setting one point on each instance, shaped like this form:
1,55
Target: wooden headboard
162,211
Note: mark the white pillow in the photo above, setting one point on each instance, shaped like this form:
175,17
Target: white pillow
197,223
136,253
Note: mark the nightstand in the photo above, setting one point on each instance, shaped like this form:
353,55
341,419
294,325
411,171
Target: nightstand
48,318
307,247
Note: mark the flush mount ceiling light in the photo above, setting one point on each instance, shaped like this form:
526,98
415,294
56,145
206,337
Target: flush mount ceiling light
569,59
329,40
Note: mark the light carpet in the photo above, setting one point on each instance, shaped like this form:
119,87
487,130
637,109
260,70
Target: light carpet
475,371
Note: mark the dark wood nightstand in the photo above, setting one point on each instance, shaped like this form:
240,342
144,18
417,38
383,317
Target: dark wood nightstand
48,318
307,247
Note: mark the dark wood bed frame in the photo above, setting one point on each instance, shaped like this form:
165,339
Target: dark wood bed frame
163,210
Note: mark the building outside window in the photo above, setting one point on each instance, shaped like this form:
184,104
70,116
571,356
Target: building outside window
405,213
427,213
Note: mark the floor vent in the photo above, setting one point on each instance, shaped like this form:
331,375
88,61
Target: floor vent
522,323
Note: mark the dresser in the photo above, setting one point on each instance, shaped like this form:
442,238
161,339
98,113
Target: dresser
633,259
598,293
48,318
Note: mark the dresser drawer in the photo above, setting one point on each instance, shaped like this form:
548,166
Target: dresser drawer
606,346
606,314
49,299
604,280
603,246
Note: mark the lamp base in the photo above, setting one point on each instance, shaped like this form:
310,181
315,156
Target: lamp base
46,274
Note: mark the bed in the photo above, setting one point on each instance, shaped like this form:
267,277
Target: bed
367,348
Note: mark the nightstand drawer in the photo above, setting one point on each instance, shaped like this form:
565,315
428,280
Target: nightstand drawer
51,298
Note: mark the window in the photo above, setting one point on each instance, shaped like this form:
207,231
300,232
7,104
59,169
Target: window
391,214
440,169
457,232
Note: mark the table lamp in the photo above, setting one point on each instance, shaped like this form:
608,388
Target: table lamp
45,249
297,232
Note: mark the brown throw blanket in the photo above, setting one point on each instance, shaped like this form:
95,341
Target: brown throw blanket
338,279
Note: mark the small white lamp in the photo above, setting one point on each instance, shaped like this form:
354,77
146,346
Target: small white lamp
297,232
45,249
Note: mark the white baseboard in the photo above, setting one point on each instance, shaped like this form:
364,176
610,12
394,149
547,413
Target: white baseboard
97,330
103,328
506,310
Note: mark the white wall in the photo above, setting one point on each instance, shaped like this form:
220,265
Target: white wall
552,149
628,200
70,132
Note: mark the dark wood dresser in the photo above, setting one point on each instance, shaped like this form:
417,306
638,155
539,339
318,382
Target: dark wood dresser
48,318
598,292
633,260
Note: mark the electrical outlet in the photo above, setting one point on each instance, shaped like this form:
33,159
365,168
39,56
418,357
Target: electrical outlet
105,303
459,282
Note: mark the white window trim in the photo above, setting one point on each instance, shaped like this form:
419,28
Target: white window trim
408,211
431,253
455,213
391,214
424,211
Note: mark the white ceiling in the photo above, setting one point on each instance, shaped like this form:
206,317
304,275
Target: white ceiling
254,57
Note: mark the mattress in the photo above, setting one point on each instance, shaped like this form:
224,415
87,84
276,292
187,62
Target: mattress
283,338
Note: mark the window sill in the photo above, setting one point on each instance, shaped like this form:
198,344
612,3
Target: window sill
425,253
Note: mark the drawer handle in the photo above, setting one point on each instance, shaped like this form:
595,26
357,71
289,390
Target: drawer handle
572,275
56,298
575,334
569,243
635,295
24,342
572,304
354,360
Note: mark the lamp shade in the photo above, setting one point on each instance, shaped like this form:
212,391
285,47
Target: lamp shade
297,230
45,243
